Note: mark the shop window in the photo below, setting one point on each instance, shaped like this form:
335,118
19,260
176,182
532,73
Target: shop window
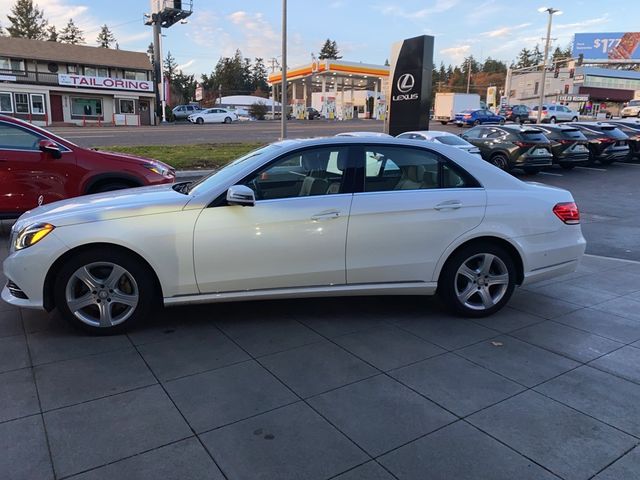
72,69
90,71
86,107
13,65
6,104
103,72
131,75
37,104
22,102
127,106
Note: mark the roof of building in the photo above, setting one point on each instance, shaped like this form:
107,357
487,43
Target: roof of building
328,67
245,100
611,72
76,54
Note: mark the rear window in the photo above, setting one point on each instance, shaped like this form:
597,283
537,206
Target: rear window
535,109
451,140
533,136
634,103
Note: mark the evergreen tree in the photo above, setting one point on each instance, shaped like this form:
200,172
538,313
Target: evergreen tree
494,66
71,34
170,66
105,37
524,59
536,56
27,21
329,50
259,76
442,73
52,34
386,63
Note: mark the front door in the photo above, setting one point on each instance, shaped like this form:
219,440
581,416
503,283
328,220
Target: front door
145,112
57,114
414,205
294,236
28,176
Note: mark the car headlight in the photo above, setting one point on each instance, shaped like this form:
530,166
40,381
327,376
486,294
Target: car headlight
30,235
159,169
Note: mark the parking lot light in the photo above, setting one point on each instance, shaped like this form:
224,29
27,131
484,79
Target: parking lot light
551,11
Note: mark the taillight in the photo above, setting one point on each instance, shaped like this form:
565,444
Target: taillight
567,142
605,140
467,116
567,212
525,144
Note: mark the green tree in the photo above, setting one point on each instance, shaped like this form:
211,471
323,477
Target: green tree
52,34
170,66
259,76
105,37
27,21
2,34
442,73
329,50
258,110
536,56
524,59
494,66
71,34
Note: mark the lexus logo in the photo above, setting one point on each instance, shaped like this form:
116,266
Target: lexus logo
406,82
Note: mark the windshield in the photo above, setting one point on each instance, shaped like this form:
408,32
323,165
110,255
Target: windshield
451,140
634,103
230,169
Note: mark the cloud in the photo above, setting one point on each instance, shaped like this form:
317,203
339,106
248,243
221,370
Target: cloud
576,26
185,66
457,54
397,11
504,31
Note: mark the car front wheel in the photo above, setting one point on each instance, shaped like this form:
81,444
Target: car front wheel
227,120
199,120
104,291
478,280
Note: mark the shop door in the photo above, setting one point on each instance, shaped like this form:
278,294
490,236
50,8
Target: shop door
56,108
145,112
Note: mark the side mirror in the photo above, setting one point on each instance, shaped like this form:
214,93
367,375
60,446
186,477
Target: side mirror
241,195
52,148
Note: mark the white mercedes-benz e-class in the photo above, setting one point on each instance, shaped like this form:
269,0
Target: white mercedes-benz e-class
298,218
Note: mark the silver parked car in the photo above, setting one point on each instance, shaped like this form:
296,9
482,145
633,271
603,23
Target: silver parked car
553,114
182,112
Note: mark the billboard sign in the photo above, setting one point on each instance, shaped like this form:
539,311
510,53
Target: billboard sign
607,46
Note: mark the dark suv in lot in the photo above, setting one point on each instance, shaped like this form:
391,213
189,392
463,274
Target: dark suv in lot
509,146
568,145
607,143
515,113
630,128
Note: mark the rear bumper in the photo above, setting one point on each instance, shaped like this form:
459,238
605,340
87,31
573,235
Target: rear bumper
571,157
619,154
531,161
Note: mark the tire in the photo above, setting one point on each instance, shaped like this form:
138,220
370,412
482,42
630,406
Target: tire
199,120
552,120
110,186
567,166
227,120
531,170
444,123
484,262
574,119
476,123
91,271
501,161
501,122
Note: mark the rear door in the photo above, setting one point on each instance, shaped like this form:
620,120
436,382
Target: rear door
28,176
412,204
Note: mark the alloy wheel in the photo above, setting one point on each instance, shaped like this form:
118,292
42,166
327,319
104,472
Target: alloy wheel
102,294
481,281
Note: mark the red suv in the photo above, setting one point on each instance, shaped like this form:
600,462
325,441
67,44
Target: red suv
38,167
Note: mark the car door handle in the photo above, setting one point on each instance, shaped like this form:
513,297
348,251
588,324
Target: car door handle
450,204
329,215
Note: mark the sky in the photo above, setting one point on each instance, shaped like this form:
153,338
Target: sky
363,29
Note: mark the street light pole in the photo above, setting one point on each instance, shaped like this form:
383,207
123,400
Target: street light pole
543,77
284,107
469,73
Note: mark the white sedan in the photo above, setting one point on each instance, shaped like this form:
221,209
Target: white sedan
444,138
298,218
213,115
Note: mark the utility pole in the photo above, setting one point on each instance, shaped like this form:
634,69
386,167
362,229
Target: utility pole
469,73
543,77
284,106
274,65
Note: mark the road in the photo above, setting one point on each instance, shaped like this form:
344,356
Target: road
186,133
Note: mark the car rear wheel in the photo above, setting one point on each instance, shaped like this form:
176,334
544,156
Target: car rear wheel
478,280
199,120
501,122
552,120
444,123
104,291
574,119
227,120
476,123
501,161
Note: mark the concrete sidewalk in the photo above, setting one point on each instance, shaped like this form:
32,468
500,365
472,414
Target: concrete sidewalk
359,388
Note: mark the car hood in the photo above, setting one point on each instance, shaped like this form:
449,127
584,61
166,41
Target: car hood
127,157
130,202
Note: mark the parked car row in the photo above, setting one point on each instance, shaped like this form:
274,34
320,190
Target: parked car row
532,148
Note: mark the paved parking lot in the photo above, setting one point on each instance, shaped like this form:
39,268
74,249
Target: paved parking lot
360,388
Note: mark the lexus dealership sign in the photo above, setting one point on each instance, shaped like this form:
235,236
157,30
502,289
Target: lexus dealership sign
411,67
104,82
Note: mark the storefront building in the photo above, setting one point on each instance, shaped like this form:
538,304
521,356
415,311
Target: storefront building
592,91
337,89
50,83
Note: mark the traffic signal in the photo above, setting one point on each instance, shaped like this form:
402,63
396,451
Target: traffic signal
580,59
